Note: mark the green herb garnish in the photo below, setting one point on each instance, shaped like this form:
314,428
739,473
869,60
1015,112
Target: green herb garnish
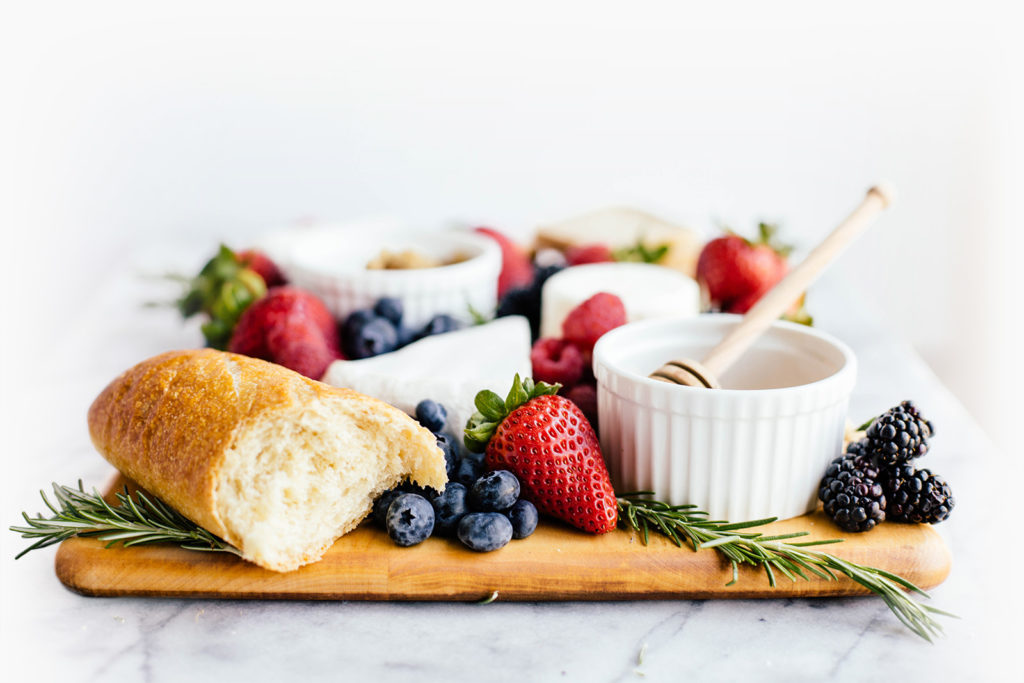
685,524
137,519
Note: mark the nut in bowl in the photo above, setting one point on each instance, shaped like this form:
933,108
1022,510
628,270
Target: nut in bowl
454,270
755,448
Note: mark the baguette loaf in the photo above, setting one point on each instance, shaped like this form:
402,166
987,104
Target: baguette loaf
276,464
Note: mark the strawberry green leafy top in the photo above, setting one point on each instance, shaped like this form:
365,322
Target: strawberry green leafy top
491,409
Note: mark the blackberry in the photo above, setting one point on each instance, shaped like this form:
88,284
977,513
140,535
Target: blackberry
858,447
525,301
898,435
542,273
851,493
916,496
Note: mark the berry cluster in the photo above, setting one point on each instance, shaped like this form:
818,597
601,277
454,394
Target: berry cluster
482,509
525,300
567,361
251,310
373,331
227,284
875,480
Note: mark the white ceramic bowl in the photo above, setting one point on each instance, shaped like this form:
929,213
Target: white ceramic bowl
331,263
756,448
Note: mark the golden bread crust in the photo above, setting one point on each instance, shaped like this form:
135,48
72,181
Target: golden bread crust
167,422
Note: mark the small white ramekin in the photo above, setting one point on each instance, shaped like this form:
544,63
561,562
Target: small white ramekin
331,263
756,448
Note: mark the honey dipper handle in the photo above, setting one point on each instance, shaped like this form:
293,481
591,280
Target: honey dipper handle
781,296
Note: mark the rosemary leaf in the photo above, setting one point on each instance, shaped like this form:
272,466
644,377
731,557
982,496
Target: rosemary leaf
135,520
773,553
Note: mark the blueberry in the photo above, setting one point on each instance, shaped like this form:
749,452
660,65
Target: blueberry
471,466
494,492
451,453
389,308
357,319
523,516
380,507
353,326
485,531
431,415
372,338
410,519
449,507
407,335
440,324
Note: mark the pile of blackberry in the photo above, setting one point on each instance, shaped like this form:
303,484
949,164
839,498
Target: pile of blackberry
875,479
482,509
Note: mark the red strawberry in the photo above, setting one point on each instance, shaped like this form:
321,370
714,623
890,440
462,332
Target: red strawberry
556,361
737,272
548,444
586,323
516,267
221,292
264,267
588,253
291,327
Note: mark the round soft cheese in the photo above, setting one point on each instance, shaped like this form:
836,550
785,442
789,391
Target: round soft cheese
646,290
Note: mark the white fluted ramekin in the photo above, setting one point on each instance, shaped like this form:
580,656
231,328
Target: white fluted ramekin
331,263
756,448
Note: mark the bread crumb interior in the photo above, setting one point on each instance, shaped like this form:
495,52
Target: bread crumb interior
292,484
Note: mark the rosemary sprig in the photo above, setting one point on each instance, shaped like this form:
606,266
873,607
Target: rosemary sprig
136,519
685,524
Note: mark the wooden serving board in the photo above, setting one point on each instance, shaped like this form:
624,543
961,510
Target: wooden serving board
555,563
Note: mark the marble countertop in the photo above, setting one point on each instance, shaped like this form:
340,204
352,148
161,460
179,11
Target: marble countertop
50,633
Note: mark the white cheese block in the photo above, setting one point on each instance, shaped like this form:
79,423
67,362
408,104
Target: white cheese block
449,368
624,227
647,291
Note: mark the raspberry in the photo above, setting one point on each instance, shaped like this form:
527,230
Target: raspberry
589,253
586,323
556,360
585,397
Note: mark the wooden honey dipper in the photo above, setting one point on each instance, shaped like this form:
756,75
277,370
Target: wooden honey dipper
778,299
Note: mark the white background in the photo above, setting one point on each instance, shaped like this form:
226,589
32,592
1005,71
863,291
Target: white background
122,126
